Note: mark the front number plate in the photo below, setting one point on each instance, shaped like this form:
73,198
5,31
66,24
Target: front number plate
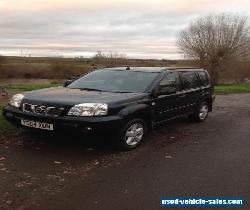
39,125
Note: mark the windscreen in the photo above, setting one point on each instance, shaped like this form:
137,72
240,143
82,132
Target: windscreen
115,81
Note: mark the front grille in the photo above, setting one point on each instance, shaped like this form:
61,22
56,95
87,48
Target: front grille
54,110
40,109
44,110
27,107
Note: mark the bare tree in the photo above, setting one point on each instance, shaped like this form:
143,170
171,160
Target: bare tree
216,41
111,59
99,57
114,58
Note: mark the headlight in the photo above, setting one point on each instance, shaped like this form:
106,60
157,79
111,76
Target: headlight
16,100
89,109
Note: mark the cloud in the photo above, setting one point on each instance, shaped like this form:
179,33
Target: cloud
108,5
139,28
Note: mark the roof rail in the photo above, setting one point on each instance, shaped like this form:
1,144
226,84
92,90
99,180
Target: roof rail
170,68
100,67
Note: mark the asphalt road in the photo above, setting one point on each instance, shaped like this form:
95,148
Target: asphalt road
177,159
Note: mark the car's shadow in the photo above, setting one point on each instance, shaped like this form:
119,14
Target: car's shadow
74,142
66,140
75,150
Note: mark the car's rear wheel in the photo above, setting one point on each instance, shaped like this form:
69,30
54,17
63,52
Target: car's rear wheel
201,113
131,135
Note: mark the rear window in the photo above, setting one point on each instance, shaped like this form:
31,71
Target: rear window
189,80
203,78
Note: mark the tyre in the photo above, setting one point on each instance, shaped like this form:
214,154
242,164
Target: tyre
131,135
201,113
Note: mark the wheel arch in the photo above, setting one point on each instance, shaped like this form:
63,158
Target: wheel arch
141,111
210,103
207,99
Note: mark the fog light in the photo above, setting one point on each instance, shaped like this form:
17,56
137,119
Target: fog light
88,128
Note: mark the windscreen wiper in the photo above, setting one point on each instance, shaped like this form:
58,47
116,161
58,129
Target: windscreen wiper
91,89
122,92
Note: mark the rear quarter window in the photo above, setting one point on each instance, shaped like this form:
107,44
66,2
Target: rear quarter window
189,80
203,78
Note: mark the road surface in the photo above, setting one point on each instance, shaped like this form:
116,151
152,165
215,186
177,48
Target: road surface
177,159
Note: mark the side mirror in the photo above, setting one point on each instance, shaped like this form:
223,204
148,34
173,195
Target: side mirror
166,90
67,83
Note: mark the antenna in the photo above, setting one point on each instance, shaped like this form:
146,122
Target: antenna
128,68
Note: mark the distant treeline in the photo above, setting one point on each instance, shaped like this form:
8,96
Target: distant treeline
63,68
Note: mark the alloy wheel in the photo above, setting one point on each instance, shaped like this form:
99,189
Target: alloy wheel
134,134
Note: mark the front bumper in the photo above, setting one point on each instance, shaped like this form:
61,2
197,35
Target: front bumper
104,124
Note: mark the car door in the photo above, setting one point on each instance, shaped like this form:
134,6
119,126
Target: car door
169,99
191,89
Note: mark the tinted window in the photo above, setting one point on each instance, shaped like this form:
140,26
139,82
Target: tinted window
189,80
203,78
115,81
171,80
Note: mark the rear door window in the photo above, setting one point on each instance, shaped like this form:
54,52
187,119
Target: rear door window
203,78
171,80
189,80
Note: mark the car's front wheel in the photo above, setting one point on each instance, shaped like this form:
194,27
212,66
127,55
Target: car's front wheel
201,113
131,135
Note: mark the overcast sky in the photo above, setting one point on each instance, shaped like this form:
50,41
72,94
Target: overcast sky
137,28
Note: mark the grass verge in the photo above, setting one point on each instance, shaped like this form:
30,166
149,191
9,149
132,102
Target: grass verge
219,89
235,88
5,126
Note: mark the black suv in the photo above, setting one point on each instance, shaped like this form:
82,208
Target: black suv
124,102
